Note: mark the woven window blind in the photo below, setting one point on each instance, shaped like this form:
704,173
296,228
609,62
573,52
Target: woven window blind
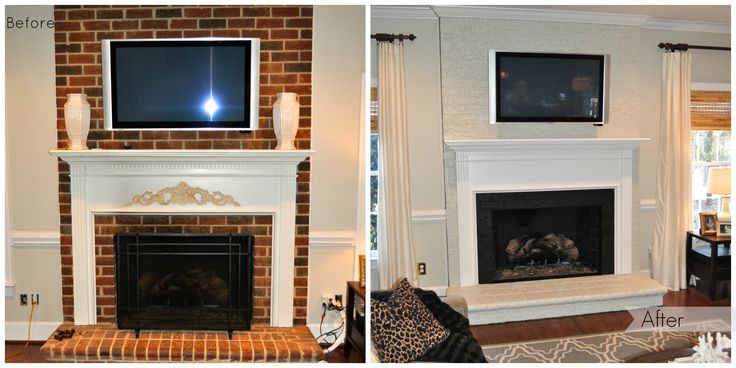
710,110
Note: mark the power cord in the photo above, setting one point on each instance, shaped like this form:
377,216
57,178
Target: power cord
338,308
28,340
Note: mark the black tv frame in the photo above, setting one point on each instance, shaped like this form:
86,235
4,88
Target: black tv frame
495,89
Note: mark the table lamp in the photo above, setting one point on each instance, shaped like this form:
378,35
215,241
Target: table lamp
719,182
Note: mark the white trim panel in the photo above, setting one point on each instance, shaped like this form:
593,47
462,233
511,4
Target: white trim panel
432,216
40,331
35,240
331,239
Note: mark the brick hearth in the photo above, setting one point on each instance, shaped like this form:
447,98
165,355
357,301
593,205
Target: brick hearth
105,343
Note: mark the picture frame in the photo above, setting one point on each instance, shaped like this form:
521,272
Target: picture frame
723,229
708,223
361,269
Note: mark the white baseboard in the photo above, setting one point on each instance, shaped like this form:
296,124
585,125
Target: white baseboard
314,329
40,331
647,272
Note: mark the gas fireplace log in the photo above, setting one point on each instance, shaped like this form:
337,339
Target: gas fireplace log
548,249
189,288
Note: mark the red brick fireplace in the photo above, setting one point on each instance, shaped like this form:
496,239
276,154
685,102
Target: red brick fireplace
285,33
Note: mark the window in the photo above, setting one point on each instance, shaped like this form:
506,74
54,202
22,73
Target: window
374,192
710,144
374,174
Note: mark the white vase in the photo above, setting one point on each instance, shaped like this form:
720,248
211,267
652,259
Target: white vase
285,120
76,118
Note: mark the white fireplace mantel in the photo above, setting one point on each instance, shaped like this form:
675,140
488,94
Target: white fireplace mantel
520,165
259,182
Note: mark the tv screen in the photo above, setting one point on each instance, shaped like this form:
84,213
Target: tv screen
537,87
183,84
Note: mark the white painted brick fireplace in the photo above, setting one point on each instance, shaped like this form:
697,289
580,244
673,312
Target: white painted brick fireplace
525,165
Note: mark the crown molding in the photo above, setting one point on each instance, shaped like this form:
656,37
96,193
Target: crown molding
493,12
688,26
545,15
403,12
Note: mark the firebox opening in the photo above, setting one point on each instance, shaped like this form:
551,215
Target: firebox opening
538,235
184,281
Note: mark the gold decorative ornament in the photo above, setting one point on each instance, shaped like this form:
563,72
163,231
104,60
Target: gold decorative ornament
183,194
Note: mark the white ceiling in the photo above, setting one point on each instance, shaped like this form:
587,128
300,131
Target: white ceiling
696,13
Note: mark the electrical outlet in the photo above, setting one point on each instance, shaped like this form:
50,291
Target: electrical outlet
23,299
326,297
422,268
35,299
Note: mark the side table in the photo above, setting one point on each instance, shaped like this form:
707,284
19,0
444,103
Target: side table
711,265
355,320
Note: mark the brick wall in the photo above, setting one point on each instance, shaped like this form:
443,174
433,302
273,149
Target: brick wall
106,226
286,55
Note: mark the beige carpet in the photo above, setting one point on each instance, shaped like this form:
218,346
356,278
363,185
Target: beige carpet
613,347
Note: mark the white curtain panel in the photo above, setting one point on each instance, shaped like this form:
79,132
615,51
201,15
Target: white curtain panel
673,198
395,242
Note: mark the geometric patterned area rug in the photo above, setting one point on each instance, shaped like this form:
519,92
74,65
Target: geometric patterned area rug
613,347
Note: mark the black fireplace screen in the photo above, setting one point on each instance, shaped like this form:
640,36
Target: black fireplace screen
538,235
184,281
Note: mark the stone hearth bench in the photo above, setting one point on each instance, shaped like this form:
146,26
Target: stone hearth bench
529,300
105,343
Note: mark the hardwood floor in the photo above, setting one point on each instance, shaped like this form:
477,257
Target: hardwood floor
490,334
501,333
31,355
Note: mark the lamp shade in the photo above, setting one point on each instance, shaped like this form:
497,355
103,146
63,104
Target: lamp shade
719,180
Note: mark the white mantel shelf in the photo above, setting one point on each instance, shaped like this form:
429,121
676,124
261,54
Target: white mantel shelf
261,182
522,165
225,155
598,144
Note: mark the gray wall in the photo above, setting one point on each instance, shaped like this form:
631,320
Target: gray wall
32,202
337,70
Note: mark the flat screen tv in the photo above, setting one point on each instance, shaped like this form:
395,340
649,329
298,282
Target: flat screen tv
542,87
181,84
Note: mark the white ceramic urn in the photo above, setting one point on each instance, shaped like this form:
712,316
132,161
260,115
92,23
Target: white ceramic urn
286,120
76,118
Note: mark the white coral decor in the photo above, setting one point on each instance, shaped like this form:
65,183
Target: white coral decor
707,352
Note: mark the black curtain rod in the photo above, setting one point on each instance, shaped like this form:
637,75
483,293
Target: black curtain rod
684,47
390,37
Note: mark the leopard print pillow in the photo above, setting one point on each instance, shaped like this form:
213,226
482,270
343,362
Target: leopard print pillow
403,328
